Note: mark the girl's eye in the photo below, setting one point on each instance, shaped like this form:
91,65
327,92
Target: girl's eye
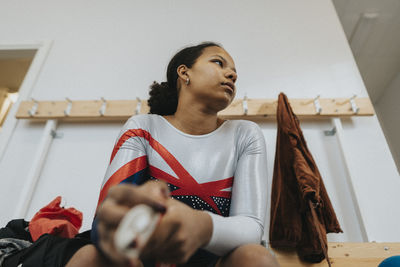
219,62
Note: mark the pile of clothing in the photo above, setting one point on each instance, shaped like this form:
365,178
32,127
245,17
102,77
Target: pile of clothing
49,239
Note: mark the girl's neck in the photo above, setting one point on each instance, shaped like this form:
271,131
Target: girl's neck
193,121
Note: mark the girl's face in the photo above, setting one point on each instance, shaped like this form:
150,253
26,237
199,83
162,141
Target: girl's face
213,77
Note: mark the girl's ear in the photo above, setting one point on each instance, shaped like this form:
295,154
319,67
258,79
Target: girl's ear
182,72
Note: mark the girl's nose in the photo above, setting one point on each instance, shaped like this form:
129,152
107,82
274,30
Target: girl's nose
232,75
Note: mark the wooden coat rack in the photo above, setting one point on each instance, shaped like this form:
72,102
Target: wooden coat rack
239,109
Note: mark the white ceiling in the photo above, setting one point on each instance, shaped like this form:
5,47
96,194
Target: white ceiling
373,30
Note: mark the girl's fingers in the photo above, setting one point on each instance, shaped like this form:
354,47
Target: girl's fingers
130,195
110,213
159,239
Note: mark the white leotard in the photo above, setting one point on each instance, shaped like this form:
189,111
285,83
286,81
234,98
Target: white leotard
223,172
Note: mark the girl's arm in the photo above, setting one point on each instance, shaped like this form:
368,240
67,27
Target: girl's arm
249,197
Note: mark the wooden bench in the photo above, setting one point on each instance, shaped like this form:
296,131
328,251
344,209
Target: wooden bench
344,255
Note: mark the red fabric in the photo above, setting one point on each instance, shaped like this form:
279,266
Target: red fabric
55,220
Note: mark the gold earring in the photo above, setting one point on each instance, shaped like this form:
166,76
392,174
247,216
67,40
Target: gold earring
187,81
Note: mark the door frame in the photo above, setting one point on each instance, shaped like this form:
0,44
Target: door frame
42,50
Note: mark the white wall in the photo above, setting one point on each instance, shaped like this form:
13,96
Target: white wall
115,50
388,110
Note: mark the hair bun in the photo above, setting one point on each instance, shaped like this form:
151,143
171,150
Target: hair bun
163,100
163,84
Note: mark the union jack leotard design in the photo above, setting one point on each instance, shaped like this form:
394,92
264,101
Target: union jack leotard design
223,172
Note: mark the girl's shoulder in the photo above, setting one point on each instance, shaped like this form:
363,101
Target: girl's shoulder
245,127
142,121
248,135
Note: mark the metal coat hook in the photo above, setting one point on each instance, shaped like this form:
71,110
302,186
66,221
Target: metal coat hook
245,105
317,105
102,110
33,110
330,132
138,105
354,106
67,111
56,134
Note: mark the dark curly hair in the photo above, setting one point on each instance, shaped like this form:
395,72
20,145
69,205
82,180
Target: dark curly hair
164,96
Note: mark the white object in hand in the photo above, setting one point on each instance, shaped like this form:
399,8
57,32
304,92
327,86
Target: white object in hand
135,229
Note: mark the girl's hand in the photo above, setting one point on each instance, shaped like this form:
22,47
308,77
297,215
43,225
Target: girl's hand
182,230
120,199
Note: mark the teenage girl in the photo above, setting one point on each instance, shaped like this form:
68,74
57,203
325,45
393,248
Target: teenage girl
213,173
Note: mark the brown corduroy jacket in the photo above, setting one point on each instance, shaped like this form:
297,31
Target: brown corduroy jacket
296,182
